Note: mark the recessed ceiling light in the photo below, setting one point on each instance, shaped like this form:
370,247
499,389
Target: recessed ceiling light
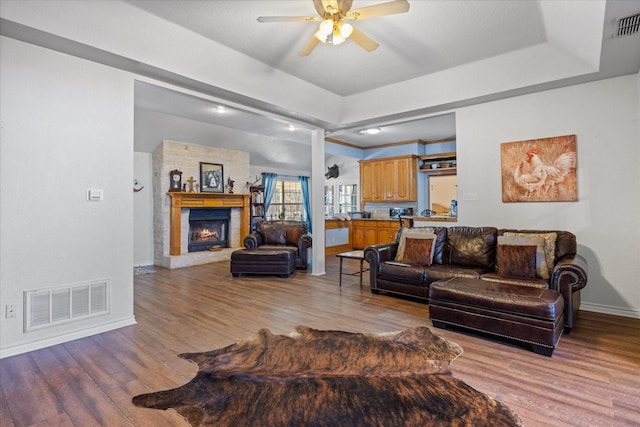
370,131
291,128
221,109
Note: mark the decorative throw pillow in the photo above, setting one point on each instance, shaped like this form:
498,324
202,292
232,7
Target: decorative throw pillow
418,251
516,260
421,232
549,248
542,269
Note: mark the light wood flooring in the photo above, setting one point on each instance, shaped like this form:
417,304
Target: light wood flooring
593,378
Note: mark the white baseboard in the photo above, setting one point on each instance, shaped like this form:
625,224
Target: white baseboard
25,348
606,309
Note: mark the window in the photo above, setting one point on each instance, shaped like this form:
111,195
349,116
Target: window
348,198
287,202
328,201
342,201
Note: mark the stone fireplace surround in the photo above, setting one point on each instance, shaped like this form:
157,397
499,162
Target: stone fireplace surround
186,157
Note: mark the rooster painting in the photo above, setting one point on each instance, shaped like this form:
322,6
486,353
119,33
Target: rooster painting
539,170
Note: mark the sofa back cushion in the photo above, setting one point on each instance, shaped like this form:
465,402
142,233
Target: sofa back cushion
471,246
281,232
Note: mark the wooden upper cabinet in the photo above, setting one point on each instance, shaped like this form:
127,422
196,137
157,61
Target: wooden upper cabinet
371,181
378,181
389,179
405,172
366,181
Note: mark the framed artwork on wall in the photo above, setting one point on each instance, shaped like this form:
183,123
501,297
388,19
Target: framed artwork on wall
211,178
539,170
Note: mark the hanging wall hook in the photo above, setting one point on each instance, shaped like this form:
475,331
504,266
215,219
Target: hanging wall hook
137,186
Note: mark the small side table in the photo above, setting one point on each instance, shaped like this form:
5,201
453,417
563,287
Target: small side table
359,255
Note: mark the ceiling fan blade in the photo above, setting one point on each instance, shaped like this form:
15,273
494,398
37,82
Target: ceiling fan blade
319,5
362,40
289,19
382,9
311,44
344,5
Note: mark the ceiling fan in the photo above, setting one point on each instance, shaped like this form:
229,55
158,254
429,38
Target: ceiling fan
333,29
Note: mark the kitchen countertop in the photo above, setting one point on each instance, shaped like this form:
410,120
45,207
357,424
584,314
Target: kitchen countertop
395,218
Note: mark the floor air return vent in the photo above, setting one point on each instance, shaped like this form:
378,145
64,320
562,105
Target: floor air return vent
54,306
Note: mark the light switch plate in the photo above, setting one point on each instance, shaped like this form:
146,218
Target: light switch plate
95,195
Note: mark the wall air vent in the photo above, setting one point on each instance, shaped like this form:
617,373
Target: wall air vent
54,306
629,25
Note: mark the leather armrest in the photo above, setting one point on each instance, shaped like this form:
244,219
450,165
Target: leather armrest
304,243
569,274
253,240
377,254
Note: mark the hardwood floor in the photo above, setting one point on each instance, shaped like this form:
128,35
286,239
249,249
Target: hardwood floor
593,378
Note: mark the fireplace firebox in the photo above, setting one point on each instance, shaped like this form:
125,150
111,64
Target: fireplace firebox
208,229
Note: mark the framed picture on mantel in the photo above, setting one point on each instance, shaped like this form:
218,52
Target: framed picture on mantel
211,178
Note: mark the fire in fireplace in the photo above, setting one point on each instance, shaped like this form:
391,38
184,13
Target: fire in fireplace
208,229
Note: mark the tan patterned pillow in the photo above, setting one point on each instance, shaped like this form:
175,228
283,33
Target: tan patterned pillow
422,232
549,249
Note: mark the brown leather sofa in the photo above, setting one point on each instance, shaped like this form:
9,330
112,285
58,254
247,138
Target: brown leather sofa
274,235
470,252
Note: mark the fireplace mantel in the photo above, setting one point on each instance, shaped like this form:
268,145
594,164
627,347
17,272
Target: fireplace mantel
181,201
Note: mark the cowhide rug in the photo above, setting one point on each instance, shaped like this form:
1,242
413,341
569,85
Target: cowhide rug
331,378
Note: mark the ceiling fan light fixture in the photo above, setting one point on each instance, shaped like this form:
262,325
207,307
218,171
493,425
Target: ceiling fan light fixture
333,32
345,29
325,30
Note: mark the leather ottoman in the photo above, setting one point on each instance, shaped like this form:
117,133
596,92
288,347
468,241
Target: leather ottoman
263,261
525,314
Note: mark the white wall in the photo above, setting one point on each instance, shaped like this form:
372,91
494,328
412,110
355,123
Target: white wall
66,126
143,210
604,116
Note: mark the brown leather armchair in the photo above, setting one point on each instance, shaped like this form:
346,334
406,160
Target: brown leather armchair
271,235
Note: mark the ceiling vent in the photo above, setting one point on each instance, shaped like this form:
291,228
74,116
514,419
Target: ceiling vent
629,25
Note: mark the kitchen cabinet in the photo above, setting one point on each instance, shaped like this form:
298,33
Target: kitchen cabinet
367,232
390,179
364,233
387,231
371,181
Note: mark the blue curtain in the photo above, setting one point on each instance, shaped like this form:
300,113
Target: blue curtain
304,183
269,180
